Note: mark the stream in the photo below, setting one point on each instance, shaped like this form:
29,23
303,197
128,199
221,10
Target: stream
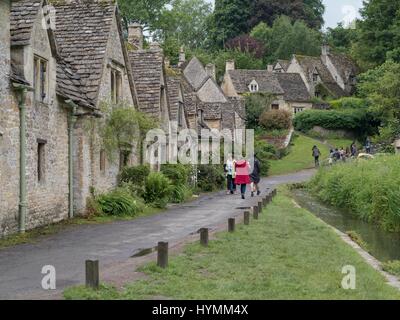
383,245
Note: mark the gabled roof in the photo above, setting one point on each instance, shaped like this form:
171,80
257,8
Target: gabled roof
195,73
267,81
22,18
294,87
310,64
284,64
82,33
147,69
344,65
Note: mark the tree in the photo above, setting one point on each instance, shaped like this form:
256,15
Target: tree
310,11
284,39
341,38
247,44
230,19
378,33
185,21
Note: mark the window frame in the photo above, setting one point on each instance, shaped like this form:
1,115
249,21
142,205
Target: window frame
40,78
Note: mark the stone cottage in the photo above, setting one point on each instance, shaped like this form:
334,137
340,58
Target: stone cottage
330,75
214,109
288,89
59,67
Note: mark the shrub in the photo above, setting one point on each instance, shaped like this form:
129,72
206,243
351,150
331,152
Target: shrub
180,193
276,120
210,177
118,203
349,103
177,173
392,267
136,175
350,119
264,151
370,189
158,189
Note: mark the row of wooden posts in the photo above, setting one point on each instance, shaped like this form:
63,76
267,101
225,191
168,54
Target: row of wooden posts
92,266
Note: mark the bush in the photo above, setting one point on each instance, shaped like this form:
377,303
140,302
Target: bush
349,103
136,175
264,152
331,119
118,203
276,120
158,189
210,177
370,189
180,193
177,173
393,267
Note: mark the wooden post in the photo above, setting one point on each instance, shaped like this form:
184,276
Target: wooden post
246,218
204,237
274,192
231,224
162,254
255,212
260,207
92,274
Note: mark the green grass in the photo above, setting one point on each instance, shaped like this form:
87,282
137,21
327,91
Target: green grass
37,234
287,254
299,157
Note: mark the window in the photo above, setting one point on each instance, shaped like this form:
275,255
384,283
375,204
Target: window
253,86
275,107
315,77
116,86
298,109
40,78
102,161
41,160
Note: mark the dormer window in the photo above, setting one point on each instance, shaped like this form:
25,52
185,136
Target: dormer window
253,86
40,78
315,76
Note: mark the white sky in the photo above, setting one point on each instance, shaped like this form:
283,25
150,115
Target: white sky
338,11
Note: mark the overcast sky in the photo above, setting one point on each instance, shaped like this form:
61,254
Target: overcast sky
338,11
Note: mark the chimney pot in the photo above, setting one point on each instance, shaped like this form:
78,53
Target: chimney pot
270,68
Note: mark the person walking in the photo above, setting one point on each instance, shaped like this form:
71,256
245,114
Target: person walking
229,169
316,154
354,149
368,145
255,177
242,168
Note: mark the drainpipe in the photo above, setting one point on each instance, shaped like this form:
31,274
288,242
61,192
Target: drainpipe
71,123
23,203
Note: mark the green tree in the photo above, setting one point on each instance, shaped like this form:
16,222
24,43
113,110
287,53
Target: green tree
341,38
378,33
267,11
285,38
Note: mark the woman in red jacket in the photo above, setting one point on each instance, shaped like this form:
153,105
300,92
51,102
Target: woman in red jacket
242,168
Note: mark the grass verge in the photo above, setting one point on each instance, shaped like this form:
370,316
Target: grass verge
299,157
287,254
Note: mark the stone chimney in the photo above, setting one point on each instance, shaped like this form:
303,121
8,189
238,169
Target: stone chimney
325,49
270,68
182,57
4,46
155,46
230,65
210,69
135,35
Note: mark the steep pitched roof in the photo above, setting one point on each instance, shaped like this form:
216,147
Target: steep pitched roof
147,68
22,18
344,65
195,73
294,87
190,97
173,84
82,32
309,64
267,81
284,64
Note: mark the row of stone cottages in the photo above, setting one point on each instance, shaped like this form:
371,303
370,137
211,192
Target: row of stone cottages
55,71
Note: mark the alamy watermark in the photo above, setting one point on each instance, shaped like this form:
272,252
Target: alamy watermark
349,280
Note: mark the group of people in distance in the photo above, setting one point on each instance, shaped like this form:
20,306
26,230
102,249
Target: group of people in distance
239,173
341,154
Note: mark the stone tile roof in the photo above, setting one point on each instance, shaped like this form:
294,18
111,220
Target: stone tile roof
69,85
17,77
309,64
22,18
195,73
284,64
294,87
344,65
267,81
173,85
82,32
211,111
147,69
190,98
